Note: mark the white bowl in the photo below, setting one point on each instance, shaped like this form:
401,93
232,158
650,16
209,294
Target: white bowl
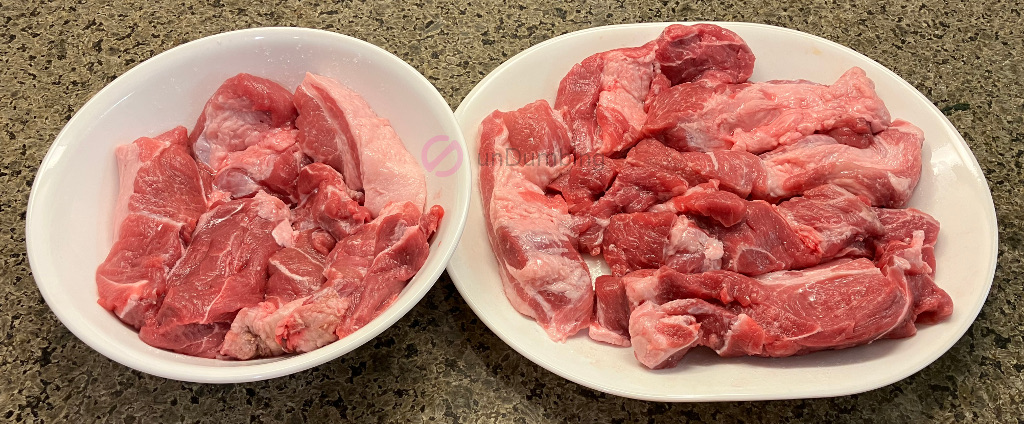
69,220
952,189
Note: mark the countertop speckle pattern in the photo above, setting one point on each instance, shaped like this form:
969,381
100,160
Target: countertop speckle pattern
440,363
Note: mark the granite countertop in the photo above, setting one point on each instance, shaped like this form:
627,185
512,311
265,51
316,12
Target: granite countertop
440,362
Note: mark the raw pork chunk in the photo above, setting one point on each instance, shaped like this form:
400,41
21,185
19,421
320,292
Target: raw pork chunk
238,115
602,98
328,203
298,271
271,165
372,266
758,117
825,223
366,272
160,199
652,174
703,52
909,243
337,127
840,304
885,172
223,270
654,239
646,240
531,233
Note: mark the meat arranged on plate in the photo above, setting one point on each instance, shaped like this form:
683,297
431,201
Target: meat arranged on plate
753,218
281,225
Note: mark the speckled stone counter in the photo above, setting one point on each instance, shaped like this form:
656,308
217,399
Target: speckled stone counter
440,363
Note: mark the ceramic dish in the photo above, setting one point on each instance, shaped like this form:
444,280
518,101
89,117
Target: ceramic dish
69,220
952,189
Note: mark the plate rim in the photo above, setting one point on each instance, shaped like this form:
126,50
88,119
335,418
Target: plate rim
963,149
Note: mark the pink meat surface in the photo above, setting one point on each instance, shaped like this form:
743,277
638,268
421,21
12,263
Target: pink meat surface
298,271
703,52
885,172
654,239
365,273
797,233
261,331
531,233
328,203
586,180
836,305
372,266
237,116
725,208
611,313
758,117
161,196
909,243
223,270
653,174
271,165
337,127
602,98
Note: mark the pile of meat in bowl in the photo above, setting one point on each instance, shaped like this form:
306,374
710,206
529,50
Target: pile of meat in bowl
282,223
753,218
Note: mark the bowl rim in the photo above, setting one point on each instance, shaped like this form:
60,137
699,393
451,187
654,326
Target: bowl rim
237,373
463,278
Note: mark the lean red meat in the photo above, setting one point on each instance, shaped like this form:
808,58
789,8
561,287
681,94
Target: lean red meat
160,199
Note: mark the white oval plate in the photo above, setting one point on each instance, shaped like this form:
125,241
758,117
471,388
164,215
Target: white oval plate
952,189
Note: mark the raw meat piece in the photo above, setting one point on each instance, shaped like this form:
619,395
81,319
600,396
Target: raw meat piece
237,115
665,333
611,314
909,242
602,97
531,234
259,331
372,266
707,200
763,242
366,272
538,144
653,174
885,172
298,271
328,203
831,219
586,180
223,270
703,52
798,233
337,127
759,117
271,165
654,239
160,198
840,304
